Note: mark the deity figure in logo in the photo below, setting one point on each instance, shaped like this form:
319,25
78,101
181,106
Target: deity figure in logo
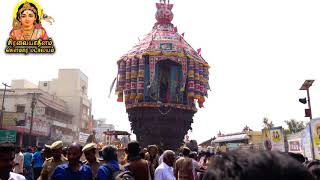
27,22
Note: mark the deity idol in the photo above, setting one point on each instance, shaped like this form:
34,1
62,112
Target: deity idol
27,23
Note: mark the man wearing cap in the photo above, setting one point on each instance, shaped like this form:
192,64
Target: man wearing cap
51,163
74,169
89,151
140,168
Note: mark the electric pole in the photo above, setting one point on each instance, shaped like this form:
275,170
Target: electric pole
33,105
2,105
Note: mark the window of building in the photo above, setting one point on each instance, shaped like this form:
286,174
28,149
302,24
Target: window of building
46,111
20,108
84,89
45,84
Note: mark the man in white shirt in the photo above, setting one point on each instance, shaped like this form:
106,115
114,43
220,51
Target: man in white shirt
161,159
165,170
6,163
18,161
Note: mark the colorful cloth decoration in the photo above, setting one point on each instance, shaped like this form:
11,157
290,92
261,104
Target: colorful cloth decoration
140,81
138,69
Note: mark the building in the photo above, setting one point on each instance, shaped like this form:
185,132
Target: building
23,84
72,87
245,139
51,119
207,143
101,128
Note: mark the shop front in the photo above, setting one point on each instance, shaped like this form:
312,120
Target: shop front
21,122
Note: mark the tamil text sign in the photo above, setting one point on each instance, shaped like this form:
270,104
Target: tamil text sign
8,136
83,137
294,146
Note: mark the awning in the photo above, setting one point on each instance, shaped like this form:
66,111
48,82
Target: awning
238,137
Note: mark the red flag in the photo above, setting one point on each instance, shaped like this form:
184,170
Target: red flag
182,34
199,51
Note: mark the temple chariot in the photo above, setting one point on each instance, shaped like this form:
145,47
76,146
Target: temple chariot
162,81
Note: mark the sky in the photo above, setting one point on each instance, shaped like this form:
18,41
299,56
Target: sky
260,53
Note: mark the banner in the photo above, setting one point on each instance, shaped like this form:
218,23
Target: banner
277,139
315,131
13,119
9,119
266,139
294,146
83,137
306,142
294,143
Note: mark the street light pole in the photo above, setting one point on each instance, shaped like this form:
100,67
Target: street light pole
305,86
309,103
33,105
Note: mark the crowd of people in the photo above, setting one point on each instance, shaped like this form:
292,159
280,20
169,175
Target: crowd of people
151,163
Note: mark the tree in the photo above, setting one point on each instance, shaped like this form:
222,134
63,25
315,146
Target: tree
295,126
267,124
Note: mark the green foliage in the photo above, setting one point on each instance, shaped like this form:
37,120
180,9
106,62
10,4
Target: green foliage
266,123
286,133
295,126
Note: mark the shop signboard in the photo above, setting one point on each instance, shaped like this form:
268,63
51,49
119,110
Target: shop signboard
8,136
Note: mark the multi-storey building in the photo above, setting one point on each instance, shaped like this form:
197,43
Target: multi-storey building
51,118
72,86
